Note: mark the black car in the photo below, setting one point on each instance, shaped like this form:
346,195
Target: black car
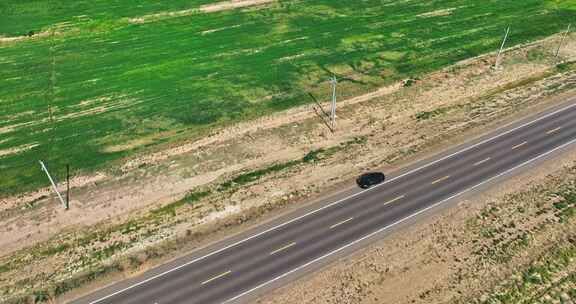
370,179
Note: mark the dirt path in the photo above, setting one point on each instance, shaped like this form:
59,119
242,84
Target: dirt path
208,8
8,40
232,4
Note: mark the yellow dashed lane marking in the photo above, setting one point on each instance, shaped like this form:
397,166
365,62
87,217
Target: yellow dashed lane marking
482,161
519,145
393,200
283,248
441,179
217,277
340,223
554,130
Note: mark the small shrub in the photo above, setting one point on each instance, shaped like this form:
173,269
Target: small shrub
431,114
312,156
190,198
55,250
4,268
565,66
560,205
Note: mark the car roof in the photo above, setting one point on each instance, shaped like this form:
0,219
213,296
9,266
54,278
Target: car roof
372,173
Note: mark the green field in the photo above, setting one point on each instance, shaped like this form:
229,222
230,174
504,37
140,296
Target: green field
121,87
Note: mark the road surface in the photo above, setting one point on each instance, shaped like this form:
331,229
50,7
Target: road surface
235,271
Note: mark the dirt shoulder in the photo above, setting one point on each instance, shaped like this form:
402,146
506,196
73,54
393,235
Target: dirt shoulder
155,207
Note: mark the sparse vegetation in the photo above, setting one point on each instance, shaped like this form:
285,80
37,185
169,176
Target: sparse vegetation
431,114
255,175
551,279
566,66
190,198
310,157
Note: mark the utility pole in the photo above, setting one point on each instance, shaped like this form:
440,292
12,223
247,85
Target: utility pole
334,82
497,65
564,36
53,184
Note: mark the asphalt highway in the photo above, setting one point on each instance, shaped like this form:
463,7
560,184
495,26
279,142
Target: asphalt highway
233,272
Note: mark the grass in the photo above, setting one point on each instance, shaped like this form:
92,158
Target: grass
257,174
424,115
566,207
190,198
123,88
566,66
55,250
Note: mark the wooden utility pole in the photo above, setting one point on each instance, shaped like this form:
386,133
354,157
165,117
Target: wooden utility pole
497,65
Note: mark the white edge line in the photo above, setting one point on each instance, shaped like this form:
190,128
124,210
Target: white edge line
334,203
396,223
